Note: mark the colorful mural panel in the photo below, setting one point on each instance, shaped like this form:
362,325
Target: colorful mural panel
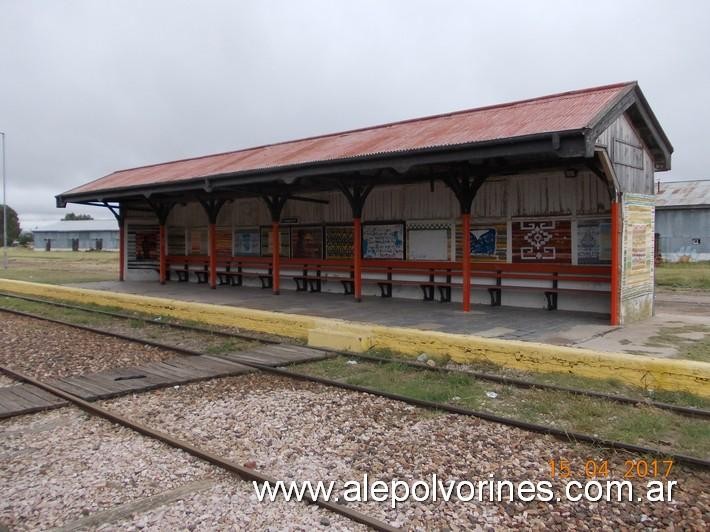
339,242
489,242
542,241
637,276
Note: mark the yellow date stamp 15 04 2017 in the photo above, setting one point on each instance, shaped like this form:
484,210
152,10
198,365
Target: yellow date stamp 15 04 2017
640,469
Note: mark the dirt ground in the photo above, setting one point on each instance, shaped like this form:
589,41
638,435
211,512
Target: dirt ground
679,329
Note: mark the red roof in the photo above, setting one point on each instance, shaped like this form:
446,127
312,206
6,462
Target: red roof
555,113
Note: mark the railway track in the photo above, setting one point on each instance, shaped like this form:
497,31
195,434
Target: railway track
532,427
511,381
244,473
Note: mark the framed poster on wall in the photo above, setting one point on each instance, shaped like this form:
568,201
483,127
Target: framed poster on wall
339,242
307,242
247,242
429,240
383,241
594,242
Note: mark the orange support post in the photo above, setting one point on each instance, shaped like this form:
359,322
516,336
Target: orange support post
275,256
466,261
212,245
357,259
615,262
161,248
121,251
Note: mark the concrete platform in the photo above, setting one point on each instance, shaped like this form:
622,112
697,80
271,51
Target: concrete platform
559,327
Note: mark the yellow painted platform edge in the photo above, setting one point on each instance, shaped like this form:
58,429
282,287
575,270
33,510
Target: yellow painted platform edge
282,324
638,370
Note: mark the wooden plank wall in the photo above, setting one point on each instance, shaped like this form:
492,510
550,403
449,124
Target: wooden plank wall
632,162
501,202
520,196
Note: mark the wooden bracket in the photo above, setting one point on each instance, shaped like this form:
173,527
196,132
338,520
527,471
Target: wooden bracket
275,204
356,196
117,210
465,187
212,207
161,209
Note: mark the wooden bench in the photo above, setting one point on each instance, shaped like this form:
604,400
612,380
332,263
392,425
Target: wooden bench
233,270
436,274
312,273
445,276
183,266
549,275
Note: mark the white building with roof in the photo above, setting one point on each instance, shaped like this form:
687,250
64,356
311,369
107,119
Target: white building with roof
77,235
683,220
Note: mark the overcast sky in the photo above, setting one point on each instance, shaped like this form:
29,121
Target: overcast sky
89,87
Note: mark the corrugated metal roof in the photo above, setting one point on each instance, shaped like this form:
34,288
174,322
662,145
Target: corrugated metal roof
79,225
555,113
679,193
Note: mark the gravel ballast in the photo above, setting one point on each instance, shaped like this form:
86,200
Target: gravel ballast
303,431
47,350
63,466
231,505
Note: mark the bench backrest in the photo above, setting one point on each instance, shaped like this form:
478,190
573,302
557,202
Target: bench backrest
535,271
187,259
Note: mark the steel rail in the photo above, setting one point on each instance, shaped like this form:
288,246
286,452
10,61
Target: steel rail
510,381
561,434
244,473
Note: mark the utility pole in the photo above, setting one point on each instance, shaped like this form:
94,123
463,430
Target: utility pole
4,205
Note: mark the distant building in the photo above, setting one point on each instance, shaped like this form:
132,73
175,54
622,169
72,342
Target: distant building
77,235
683,220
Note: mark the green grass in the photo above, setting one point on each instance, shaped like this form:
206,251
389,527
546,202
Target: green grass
641,425
79,317
610,386
224,347
60,267
684,276
699,351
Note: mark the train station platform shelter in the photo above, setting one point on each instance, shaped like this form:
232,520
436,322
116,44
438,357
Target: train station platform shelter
545,203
